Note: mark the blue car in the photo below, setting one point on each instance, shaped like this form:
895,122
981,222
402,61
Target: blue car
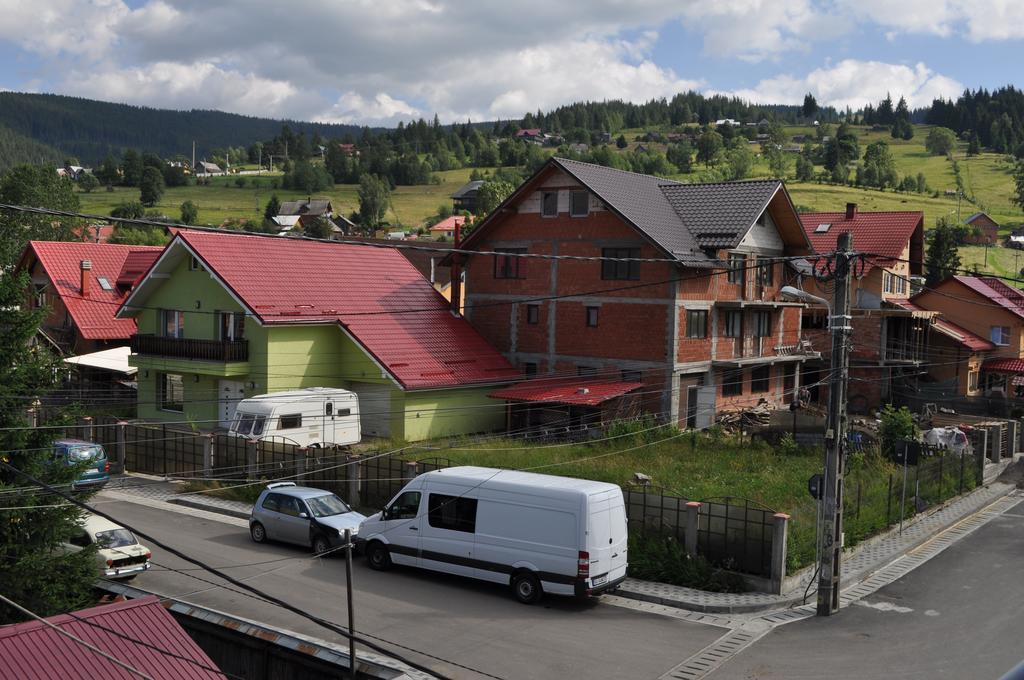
76,451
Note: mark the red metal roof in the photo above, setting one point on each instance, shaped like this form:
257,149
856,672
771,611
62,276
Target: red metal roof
34,651
528,132
881,233
995,290
448,224
1004,365
93,315
374,293
965,337
575,392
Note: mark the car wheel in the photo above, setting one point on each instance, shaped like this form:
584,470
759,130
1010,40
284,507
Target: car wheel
526,587
258,533
378,556
321,545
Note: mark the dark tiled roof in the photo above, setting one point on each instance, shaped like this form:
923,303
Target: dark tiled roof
468,188
719,215
314,207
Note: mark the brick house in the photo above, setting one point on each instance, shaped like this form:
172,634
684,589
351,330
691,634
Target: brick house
889,338
81,286
698,326
984,229
989,308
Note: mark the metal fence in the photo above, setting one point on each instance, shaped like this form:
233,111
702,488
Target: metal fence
736,533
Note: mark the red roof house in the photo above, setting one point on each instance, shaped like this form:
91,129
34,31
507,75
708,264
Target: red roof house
446,227
355,316
83,284
139,633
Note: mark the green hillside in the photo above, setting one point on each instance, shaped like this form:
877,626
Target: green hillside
16,149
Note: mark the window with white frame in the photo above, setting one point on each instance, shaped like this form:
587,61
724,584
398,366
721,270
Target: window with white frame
1000,335
172,323
972,381
232,325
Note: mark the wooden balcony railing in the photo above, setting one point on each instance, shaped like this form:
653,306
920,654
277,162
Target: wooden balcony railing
190,348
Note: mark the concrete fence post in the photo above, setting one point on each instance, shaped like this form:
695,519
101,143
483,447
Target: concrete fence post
208,453
86,430
1012,438
780,535
995,443
355,474
121,459
692,517
981,451
412,469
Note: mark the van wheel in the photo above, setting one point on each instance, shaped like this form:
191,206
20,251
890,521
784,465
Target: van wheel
526,587
321,545
258,533
378,556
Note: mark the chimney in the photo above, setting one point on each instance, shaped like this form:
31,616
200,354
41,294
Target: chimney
456,270
851,211
86,265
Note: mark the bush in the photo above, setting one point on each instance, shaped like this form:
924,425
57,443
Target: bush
660,558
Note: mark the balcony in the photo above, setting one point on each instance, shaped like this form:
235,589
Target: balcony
189,348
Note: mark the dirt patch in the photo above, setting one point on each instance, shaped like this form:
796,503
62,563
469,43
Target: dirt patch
1014,474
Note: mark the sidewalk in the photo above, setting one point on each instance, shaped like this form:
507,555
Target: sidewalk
858,564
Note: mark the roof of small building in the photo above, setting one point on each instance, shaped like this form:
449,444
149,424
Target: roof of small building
970,340
94,314
1003,365
139,633
1010,299
886,234
528,132
449,223
373,293
976,215
315,206
468,188
569,391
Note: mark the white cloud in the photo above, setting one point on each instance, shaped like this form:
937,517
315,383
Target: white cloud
977,20
855,83
353,108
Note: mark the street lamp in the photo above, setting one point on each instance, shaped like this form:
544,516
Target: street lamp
796,295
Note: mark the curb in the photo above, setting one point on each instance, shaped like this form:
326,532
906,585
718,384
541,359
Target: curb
208,507
785,601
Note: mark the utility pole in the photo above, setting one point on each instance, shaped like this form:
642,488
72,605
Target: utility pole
835,435
351,607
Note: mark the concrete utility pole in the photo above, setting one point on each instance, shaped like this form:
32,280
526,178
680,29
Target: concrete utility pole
835,435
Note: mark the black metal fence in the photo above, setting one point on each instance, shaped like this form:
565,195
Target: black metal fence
737,534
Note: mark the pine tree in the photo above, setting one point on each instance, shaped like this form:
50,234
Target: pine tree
942,258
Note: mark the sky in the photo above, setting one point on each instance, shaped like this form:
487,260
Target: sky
377,62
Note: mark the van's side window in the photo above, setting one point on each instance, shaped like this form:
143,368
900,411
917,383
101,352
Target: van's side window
344,411
290,422
329,409
451,512
272,502
405,506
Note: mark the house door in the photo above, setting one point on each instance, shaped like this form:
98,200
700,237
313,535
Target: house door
231,392
705,406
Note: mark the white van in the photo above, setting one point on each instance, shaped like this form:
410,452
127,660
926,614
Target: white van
537,533
314,416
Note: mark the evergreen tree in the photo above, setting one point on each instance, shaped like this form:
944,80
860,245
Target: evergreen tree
319,228
942,258
273,208
108,172
974,145
810,106
374,200
709,148
36,186
621,142
131,168
804,169
151,187
1018,184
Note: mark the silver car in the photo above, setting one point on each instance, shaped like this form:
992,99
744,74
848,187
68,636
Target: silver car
301,514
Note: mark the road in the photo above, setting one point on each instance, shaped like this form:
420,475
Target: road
474,624
956,616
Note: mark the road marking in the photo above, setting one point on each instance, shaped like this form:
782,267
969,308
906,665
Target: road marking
120,496
884,606
707,660
931,612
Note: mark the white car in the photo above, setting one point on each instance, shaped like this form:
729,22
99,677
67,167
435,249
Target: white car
119,553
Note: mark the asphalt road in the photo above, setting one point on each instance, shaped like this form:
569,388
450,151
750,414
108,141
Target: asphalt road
959,615
475,624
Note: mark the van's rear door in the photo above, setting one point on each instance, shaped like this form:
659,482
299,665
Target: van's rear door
606,537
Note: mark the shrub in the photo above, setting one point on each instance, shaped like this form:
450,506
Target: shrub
659,557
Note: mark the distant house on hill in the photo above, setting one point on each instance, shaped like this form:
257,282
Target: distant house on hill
348,149
465,197
202,167
446,227
984,229
529,134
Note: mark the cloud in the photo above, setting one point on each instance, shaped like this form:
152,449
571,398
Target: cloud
855,83
976,20
353,108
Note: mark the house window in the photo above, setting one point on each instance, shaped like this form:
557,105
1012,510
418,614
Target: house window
592,317
509,266
549,204
972,381
887,282
39,295
455,513
171,392
760,379
529,369
631,376
697,323
766,273
194,265
732,383
620,271
734,324
532,314
737,268
232,325
172,323
579,203
762,324
1000,335
292,421
813,321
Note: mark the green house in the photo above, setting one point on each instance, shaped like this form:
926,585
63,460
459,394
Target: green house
225,316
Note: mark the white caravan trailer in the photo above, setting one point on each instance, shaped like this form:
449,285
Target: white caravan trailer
314,416
537,533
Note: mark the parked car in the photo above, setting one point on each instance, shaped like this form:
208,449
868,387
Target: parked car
119,553
536,533
76,451
303,515
314,416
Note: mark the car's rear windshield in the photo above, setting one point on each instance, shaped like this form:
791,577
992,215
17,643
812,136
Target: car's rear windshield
115,538
325,506
78,454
